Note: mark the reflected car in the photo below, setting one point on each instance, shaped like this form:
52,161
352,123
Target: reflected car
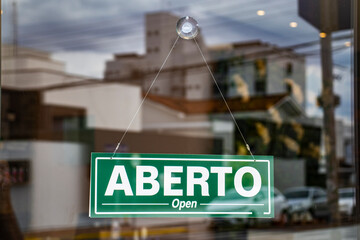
232,197
307,204
347,201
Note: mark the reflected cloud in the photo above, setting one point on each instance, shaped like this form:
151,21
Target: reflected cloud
90,64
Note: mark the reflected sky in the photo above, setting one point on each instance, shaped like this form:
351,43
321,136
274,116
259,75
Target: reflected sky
102,25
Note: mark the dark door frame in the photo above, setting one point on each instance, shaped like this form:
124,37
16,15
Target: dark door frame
356,110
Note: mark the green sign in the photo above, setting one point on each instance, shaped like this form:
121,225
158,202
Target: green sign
167,185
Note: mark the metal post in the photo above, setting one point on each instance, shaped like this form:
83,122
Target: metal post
356,105
328,104
15,27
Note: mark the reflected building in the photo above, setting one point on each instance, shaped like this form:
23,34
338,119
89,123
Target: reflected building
262,84
184,75
243,69
31,134
52,120
256,68
33,69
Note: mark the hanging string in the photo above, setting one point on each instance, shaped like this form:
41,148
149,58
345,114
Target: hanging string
143,100
231,114
152,84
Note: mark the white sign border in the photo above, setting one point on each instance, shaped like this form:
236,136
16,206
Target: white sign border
177,159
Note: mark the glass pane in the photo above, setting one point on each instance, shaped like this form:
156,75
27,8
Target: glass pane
271,77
